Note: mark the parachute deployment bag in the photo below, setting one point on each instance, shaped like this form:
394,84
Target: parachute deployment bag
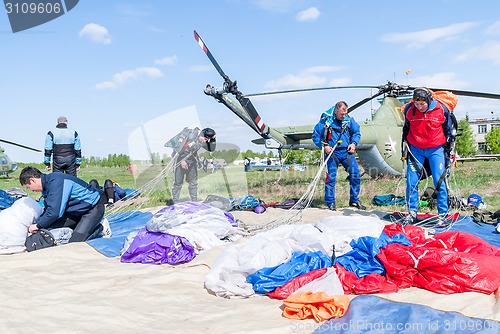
486,217
41,239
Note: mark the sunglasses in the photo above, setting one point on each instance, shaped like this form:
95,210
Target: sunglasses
420,98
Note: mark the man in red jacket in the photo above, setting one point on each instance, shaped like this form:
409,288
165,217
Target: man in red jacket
427,133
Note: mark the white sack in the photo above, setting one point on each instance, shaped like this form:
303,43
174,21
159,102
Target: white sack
14,223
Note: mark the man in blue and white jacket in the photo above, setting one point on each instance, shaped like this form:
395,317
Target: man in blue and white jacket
338,132
68,202
63,145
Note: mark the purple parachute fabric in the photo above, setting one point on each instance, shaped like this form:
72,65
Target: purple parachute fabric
158,248
189,207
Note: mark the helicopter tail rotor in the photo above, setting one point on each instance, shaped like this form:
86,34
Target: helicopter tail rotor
249,114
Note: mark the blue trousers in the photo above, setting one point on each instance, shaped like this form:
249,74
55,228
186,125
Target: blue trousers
349,162
437,163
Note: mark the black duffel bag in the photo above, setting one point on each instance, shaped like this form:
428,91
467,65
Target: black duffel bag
41,239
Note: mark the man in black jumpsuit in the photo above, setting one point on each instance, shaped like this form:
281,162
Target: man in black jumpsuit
185,146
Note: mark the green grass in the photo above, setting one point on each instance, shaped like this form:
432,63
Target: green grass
480,177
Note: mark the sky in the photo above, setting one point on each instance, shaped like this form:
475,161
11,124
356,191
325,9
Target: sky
128,75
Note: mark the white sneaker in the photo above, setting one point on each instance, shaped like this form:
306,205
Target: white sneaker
441,221
106,229
411,218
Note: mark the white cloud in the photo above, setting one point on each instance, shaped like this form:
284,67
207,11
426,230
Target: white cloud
493,29
95,33
419,39
106,85
296,81
171,60
309,77
306,79
119,79
489,51
444,80
310,14
340,81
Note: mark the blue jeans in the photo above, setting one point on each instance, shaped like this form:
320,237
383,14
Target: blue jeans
437,163
351,165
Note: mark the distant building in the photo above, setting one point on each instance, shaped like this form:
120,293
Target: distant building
480,127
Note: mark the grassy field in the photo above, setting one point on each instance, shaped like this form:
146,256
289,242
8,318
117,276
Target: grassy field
479,177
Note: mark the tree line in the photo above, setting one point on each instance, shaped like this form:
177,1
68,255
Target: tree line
113,160
466,144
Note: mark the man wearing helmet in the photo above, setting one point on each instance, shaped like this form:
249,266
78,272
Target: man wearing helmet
185,147
338,135
427,130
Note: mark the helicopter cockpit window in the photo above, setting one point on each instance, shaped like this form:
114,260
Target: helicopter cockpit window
3,161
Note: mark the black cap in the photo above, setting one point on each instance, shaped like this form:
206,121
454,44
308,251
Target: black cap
422,92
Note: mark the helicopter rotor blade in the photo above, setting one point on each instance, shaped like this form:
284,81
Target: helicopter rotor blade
363,101
471,93
389,87
209,55
307,90
23,146
232,88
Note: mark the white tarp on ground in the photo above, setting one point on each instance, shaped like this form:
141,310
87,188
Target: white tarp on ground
74,288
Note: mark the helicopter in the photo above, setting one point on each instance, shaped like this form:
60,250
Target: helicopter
379,151
6,165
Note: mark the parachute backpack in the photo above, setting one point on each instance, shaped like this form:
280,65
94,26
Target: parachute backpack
449,100
247,202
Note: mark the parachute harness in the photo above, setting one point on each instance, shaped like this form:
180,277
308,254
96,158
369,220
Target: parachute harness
145,190
293,214
448,175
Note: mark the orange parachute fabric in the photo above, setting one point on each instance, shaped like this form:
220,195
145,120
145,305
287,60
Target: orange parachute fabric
447,98
318,305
